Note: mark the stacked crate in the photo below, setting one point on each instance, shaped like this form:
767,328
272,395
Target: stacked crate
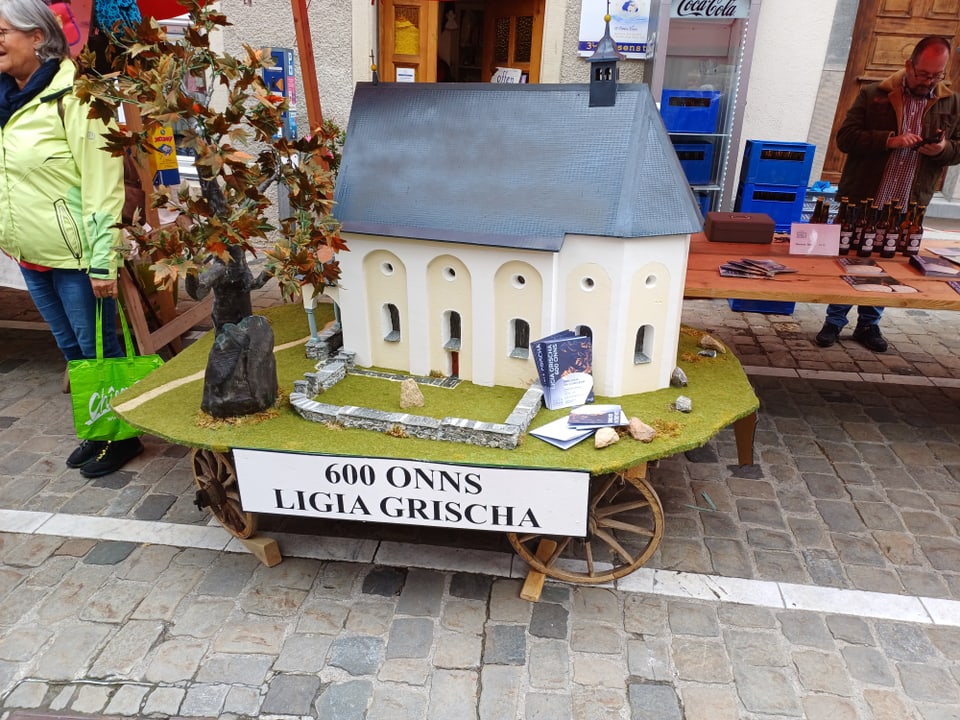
773,180
688,114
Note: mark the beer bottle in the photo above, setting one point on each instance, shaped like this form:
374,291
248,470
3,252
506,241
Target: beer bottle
869,233
892,237
915,239
846,227
905,225
882,225
817,211
856,240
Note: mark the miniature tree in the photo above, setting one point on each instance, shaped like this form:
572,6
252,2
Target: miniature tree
240,155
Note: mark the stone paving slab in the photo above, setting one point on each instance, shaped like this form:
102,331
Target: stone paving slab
623,655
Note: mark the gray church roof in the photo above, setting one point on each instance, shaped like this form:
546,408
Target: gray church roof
514,166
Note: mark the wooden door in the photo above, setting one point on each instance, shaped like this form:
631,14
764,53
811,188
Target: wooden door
884,35
512,36
408,39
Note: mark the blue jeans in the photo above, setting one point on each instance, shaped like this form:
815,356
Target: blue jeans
66,301
866,315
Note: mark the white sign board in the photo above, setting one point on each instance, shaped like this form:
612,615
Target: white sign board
629,20
511,76
405,74
413,492
814,239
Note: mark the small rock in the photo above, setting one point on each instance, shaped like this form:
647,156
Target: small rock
683,404
678,378
639,430
709,343
410,395
605,437
708,353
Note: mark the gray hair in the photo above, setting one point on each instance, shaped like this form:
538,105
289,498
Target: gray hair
29,15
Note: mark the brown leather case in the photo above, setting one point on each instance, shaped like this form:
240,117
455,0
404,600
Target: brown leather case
739,227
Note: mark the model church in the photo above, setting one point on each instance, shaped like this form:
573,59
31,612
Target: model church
482,217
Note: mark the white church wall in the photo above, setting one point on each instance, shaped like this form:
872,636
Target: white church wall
449,289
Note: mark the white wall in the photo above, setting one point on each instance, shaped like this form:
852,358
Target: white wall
788,59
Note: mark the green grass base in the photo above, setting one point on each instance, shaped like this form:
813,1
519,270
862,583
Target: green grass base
164,405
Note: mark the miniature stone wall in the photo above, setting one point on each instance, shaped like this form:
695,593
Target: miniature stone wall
505,435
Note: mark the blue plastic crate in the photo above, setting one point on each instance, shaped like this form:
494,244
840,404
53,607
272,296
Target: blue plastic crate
696,159
771,307
704,199
776,163
783,203
690,111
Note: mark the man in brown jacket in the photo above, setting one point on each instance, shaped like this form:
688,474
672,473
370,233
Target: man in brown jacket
890,138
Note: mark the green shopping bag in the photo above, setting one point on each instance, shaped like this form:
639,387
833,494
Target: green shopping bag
95,382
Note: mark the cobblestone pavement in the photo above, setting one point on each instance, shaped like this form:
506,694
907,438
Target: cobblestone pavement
825,585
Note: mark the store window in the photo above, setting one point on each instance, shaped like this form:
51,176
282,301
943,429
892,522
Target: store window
462,41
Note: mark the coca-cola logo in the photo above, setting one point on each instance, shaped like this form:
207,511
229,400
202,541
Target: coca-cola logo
710,8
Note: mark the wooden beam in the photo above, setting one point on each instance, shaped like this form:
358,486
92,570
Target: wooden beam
131,115
533,585
308,68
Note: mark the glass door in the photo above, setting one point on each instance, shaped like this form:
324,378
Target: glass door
699,73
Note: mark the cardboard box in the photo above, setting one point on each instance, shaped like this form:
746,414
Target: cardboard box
739,227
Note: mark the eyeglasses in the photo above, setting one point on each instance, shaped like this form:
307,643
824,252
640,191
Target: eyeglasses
5,31
920,75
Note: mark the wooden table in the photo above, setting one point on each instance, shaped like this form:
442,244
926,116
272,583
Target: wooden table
817,280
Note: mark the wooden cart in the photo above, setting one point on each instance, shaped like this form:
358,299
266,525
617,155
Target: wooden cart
624,517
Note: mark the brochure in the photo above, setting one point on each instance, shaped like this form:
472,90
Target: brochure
559,433
878,283
950,253
935,266
751,267
594,416
564,366
860,266
769,265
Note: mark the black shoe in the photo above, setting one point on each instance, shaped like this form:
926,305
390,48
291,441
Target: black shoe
85,452
869,336
113,456
828,335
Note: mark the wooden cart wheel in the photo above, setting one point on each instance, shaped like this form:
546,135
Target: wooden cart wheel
624,528
217,489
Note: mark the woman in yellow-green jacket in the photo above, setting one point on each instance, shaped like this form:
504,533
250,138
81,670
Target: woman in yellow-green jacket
60,199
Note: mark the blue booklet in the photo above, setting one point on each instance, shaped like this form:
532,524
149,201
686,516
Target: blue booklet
564,363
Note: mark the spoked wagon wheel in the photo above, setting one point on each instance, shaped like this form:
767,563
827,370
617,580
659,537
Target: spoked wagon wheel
624,528
217,489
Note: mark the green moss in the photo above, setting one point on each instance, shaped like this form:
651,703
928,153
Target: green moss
466,400
718,388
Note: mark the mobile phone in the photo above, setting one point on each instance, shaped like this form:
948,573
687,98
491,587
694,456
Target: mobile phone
934,139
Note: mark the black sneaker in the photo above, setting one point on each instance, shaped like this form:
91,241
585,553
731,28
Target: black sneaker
113,456
869,336
85,452
828,335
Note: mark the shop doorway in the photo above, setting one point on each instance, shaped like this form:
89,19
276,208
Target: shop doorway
462,41
884,33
